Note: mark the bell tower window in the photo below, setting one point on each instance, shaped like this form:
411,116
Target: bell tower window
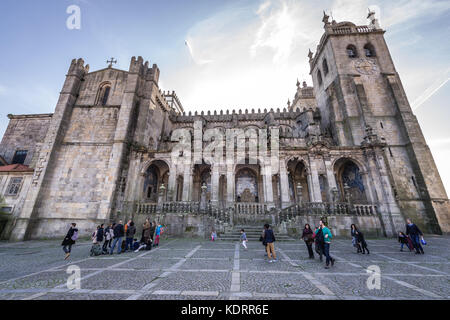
369,50
351,51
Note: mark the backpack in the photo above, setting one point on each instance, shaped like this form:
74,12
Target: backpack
96,250
74,236
319,236
136,245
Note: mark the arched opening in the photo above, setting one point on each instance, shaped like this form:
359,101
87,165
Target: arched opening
350,181
351,51
369,50
325,66
298,176
103,94
246,185
202,175
155,175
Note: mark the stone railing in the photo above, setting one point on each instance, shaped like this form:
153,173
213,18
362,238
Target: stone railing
180,207
326,208
250,208
365,209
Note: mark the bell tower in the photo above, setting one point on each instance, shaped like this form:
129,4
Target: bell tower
358,90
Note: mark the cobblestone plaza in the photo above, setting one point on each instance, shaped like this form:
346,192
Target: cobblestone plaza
198,269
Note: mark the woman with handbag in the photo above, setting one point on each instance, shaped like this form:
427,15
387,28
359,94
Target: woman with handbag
308,237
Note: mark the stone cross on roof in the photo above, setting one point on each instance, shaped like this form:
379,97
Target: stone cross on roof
111,62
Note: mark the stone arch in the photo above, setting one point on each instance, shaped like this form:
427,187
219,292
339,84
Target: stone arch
155,174
248,183
350,172
149,162
103,92
351,51
369,50
298,174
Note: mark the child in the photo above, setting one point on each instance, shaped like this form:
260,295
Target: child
244,239
213,235
403,239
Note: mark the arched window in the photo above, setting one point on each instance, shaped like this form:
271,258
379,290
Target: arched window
350,181
369,50
325,66
319,77
103,94
351,51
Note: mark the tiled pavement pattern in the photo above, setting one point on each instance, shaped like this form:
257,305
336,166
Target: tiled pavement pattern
197,269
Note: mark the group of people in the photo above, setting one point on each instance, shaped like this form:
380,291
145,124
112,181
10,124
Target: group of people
413,238
321,238
113,236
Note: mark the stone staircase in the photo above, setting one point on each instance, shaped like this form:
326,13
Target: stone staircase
253,234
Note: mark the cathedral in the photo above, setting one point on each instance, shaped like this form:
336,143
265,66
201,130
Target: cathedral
348,150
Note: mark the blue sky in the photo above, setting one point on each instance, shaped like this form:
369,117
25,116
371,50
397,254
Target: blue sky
244,53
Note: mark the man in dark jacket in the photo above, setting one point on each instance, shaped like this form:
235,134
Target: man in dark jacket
131,231
69,240
119,232
269,239
100,233
415,234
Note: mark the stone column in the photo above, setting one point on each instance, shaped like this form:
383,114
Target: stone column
267,185
284,184
230,185
215,177
315,187
187,184
390,213
171,187
330,178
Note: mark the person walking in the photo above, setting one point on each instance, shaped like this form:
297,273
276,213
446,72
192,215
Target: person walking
118,236
131,231
213,235
269,239
326,245
354,234
319,242
362,242
244,239
69,240
158,232
415,234
308,237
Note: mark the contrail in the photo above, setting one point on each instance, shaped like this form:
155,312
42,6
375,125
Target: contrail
425,96
199,62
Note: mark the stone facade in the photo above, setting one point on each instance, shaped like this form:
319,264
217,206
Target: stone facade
350,149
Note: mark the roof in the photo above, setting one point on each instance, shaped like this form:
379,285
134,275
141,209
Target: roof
16,168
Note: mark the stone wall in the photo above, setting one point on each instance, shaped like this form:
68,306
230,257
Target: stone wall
24,132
